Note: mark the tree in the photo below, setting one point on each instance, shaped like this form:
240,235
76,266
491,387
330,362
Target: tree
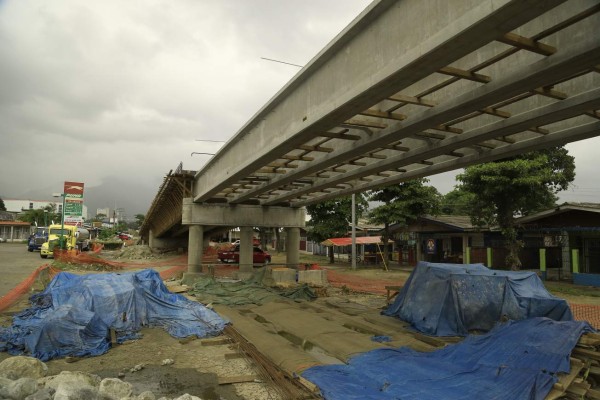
41,216
457,202
516,186
331,218
140,218
402,204
2,206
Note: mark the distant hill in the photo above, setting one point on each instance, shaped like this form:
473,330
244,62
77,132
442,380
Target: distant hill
133,196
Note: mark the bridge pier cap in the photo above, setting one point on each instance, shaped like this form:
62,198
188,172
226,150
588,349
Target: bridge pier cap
241,215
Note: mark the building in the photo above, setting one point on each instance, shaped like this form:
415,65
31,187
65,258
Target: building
12,230
18,206
566,240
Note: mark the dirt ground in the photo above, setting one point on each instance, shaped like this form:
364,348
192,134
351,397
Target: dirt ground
348,318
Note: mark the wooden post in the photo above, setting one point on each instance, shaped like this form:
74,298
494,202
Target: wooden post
489,257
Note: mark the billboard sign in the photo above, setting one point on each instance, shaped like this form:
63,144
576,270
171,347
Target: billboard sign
73,200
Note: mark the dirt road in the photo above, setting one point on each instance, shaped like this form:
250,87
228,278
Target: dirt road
16,263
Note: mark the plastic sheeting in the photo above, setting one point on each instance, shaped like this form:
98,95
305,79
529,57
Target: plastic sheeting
453,299
516,360
75,313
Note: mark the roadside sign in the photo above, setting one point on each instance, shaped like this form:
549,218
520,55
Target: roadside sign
73,200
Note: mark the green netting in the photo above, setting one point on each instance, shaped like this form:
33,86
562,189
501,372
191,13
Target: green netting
252,291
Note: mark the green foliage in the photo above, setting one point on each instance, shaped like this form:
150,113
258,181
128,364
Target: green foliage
457,202
41,216
516,186
331,218
140,218
2,206
106,234
402,204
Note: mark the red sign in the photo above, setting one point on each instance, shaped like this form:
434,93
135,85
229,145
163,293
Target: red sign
74,188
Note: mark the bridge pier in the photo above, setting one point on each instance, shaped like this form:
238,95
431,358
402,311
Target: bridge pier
206,218
292,248
195,250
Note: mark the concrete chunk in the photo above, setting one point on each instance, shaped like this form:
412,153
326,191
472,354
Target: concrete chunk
316,278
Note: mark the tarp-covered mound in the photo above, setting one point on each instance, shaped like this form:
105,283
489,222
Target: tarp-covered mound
517,360
75,313
453,299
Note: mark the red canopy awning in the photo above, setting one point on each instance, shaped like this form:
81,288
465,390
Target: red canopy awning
346,241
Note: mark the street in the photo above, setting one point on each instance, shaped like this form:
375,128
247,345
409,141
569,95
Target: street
16,263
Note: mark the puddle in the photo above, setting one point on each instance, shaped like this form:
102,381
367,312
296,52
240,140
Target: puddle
174,382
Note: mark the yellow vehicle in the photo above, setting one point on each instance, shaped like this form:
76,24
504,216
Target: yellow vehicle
74,238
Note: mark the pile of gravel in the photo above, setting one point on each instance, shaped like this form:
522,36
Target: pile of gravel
137,252
24,378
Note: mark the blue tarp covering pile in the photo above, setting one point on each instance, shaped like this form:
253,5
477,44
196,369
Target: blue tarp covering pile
75,313
516,360
453,299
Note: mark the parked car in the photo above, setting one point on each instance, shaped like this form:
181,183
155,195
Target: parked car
259,256
255,242
124,236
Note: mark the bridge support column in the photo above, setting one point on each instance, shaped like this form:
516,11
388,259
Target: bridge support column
246,252
195,250
292,247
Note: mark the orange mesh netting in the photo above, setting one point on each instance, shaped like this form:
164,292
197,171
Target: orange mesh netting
25,286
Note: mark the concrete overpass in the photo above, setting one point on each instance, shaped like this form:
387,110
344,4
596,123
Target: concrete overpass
410,88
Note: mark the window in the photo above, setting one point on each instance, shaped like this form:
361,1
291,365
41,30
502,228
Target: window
31,206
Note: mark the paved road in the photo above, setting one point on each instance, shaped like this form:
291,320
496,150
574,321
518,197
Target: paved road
16,263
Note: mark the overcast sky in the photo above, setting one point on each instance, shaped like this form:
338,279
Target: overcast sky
124,88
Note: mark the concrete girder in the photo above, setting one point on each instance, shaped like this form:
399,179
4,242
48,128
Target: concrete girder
299,111
581,56
557,111
241,215
553,139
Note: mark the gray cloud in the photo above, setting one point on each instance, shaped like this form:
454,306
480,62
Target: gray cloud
92,90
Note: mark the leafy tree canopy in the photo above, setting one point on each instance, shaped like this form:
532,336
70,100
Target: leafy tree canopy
331,218
516,186
457,202
2,206
41,216
404,202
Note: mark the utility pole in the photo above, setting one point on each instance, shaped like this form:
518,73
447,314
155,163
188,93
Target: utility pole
353,231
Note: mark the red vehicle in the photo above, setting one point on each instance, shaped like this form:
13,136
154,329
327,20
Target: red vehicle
232,255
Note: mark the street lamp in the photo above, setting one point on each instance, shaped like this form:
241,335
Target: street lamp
62,219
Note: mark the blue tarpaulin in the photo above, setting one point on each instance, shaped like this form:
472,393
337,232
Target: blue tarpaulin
517,360
75,313
453,299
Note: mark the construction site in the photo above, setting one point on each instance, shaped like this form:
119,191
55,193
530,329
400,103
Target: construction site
326,331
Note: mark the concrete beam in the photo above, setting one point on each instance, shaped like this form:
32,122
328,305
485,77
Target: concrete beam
241,215
554,139
579,57
561,110
318,99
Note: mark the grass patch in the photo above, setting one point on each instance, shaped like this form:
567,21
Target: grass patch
557,288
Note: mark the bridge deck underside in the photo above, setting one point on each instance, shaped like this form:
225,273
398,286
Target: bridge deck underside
489,84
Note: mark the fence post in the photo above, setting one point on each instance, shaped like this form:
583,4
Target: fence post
543,263
489,257
468,255
575,256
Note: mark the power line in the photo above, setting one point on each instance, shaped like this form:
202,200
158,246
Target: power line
282,62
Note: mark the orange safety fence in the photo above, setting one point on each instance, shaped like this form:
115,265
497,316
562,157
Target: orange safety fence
25,286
